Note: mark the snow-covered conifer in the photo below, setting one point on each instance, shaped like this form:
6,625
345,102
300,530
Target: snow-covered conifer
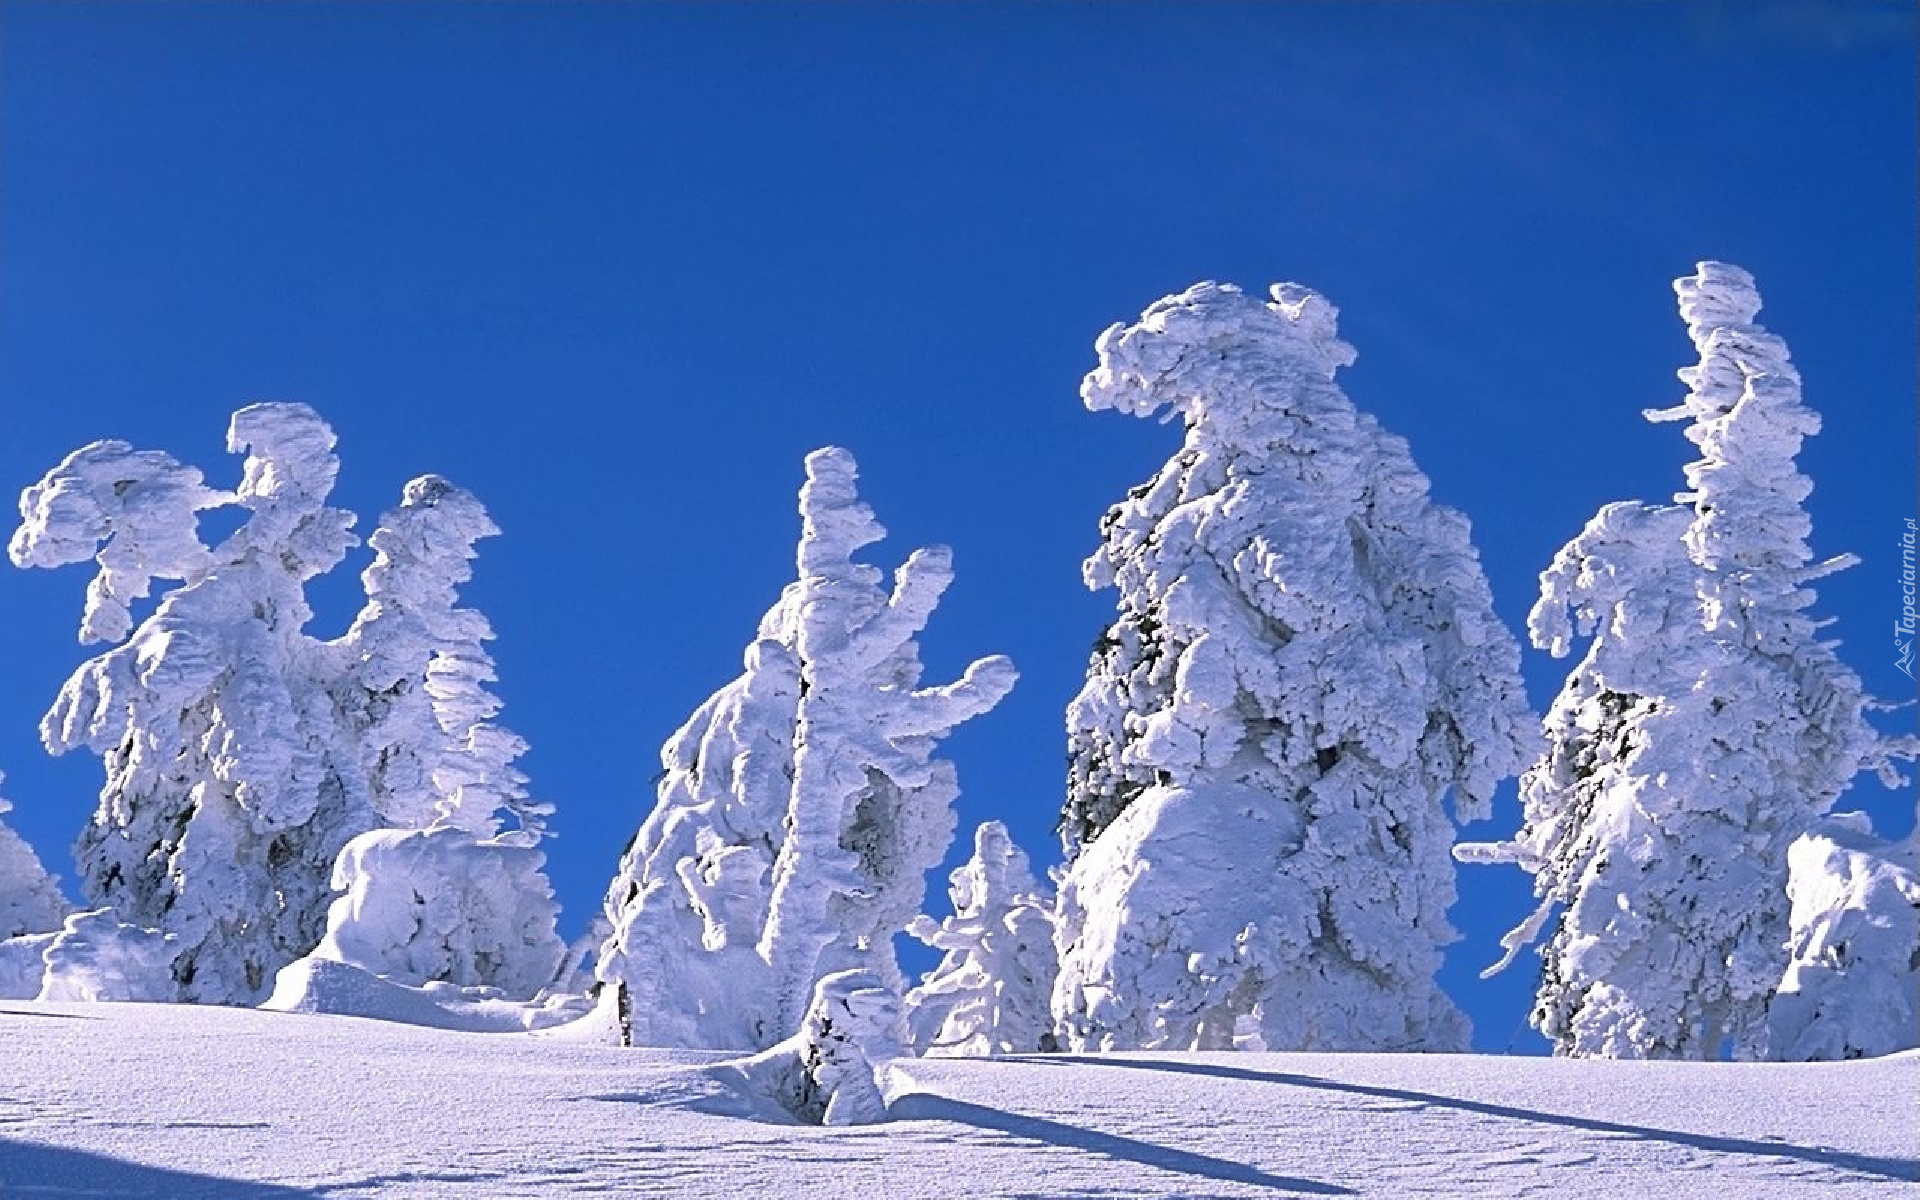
687,907
228,789
1705,729
30,899
1305,664
871,809
801,805
990,993
445,896
1852,987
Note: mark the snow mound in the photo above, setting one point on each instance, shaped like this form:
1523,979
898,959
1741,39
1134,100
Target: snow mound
320,985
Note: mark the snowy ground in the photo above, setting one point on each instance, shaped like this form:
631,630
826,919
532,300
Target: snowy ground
157,1101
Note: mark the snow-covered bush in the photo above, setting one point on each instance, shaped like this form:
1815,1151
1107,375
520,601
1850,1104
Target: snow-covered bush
801,806
991,991
95,957
1706,728
228,790
829,1073
1305,664
442,905
1852,987
30,899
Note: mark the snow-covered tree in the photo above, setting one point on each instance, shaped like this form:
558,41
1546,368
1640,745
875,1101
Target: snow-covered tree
871,809
687,907
414,670
1705,729
801,805
1852,987
991,991
229,791
445,896
1305,664
30,899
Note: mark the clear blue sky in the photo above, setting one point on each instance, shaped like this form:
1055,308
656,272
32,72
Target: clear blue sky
616,268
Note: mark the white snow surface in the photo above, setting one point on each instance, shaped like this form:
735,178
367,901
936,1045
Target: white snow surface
133,1100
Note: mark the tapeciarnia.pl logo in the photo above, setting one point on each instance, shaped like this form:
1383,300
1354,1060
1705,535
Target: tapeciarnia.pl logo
1903,628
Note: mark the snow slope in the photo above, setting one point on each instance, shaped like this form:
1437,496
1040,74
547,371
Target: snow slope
125,1100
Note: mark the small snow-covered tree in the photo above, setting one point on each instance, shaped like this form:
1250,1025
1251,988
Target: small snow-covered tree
991,991
229,790
801,805
1705,729
30,899
1305,664
1852,987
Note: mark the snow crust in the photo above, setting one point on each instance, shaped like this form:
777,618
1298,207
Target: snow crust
1306,655
226,1104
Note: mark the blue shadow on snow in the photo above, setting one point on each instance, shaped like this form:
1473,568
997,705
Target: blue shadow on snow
1903,1169
31,1169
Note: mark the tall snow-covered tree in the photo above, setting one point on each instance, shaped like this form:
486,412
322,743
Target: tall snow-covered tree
414,669
447,895
801,805
30,899
990,993
228,789
1705,729
1305,664
871,810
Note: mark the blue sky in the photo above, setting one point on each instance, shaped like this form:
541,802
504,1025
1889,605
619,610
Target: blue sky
616,268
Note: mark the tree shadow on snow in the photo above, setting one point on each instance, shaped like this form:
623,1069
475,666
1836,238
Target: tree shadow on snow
1903,1169
923,1106
28,1169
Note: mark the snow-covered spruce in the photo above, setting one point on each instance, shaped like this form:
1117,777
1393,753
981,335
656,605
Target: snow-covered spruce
460,901
990,993
1305,663
1705,729
828,1073
228,790
801,805
1852,987
686,909
30,899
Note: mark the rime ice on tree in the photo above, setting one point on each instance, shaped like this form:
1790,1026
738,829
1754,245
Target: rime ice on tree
1705,729
990,993
802,805
446,896
1305,663
227,792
